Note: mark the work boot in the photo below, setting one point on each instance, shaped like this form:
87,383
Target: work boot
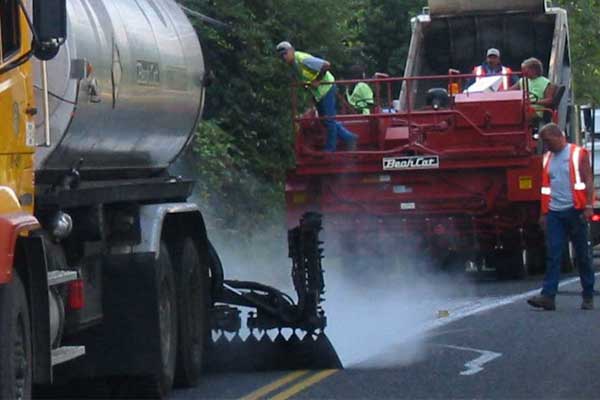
541,301
587,303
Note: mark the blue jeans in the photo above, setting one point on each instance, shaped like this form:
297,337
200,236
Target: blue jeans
327,108
561,225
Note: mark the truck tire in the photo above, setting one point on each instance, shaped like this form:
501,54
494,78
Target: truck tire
167,313
15,342
536,260
508,263
193,288
453,263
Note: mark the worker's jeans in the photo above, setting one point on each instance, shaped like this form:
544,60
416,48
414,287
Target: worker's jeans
327,108
561,225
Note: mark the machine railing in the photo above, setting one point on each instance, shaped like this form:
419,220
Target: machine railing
415,106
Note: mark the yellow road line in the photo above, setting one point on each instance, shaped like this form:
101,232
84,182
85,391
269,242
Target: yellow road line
304,384
265,390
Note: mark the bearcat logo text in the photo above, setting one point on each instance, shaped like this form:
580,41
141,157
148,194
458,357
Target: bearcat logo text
416,162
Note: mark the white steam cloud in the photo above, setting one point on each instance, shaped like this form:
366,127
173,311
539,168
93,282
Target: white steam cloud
378,321
376,308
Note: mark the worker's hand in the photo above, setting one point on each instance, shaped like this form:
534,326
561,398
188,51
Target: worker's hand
542,222
588,213
315,84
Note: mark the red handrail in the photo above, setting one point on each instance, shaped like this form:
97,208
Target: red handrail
408,113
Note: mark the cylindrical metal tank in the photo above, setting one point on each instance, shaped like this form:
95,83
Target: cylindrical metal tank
126,90
466,7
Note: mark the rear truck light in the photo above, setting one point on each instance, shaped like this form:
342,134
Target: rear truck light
76,297
453,84
453,89
596,218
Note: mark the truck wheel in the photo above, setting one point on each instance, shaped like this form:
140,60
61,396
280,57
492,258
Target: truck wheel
508,263
536,260
15,342
193,290
167,315
453,263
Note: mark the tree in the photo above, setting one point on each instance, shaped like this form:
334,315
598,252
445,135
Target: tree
386,33
585,48
245,141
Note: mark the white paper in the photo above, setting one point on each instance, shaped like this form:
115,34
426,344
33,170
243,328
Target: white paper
485,84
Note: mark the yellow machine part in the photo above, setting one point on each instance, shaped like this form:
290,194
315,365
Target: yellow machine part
17,128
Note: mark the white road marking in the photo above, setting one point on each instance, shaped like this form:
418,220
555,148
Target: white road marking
487,304
475,366
386,345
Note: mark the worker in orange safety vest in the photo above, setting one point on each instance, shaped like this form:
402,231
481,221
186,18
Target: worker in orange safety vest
567,206
493,66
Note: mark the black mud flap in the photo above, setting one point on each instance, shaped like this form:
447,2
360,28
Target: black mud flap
265,354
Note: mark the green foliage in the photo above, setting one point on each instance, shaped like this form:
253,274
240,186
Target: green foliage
248,129
227,184
584,17
386,33
251,97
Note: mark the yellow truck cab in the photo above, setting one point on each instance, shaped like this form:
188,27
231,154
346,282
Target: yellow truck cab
16,133
19,301
17,128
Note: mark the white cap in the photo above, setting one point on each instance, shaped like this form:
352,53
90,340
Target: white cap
283,46
493,52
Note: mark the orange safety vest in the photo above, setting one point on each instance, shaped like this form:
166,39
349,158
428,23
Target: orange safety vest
579,188
480,71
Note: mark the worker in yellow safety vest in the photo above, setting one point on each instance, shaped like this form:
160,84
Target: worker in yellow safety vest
492,66
541,90
316,75
361,99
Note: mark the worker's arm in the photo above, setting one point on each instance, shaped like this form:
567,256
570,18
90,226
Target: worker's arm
516,86
548,96
318,65
324,68
587,176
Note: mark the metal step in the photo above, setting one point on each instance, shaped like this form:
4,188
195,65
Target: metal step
59,277
66,353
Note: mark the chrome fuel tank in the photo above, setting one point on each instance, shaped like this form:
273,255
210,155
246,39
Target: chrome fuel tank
126,90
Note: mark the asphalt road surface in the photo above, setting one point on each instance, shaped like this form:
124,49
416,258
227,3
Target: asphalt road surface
440,338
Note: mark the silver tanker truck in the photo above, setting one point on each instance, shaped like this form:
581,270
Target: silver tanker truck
120,277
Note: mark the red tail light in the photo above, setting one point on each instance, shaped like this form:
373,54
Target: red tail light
596,218
76,298
453,88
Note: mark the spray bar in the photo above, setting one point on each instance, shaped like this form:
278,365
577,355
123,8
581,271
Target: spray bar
273,308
